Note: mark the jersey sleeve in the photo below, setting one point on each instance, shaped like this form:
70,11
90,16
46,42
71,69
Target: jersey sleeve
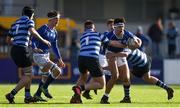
104,40
30,24
34,42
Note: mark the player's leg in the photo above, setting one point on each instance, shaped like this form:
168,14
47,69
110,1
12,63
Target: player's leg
43,61
127,98
21,58
124,74
104,64
125,77
76,98
114,76
153,80
37,95
55,72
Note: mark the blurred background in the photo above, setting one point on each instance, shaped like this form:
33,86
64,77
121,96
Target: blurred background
158,21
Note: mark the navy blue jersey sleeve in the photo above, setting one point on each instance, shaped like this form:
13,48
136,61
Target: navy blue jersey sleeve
34,42
104,39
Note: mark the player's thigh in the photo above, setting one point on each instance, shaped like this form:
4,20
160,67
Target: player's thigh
41,59
21,56
94,68
100,80
112,67
82,65
124,71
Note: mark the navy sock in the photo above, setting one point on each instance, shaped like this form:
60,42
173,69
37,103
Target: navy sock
38,92
13,92
27,93
126,91
161,84
49,80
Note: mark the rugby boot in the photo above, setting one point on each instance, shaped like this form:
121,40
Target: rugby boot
29,100
170,92
104,100
46,92
10,98
86,95
39,98
126,100
76,99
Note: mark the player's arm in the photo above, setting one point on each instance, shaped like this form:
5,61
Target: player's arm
9,38
57,54
36,34
34,47
108,42
119,54
117,44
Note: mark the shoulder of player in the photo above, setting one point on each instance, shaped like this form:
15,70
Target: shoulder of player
128,33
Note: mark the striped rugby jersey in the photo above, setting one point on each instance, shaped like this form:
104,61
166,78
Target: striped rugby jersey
19,31
137,58
91,42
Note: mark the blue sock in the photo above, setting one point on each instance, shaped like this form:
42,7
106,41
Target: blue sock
13,93
38,92
49,80
126,91
161,84
27,93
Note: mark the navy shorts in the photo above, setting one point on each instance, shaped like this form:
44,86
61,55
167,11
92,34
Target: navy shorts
21,56
90,64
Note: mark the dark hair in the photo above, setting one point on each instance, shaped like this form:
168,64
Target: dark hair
28,11
109,21
52,14
88,24
119,20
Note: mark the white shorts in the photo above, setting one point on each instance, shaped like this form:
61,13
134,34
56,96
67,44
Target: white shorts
41,59
121,61
103,60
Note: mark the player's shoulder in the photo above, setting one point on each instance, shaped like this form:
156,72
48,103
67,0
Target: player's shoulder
43,27
128,33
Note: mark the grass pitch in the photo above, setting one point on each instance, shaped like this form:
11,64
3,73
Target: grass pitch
141,96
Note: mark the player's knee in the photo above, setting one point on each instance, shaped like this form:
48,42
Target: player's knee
27,71
126,80
55,71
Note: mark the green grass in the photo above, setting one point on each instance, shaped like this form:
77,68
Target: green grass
141,95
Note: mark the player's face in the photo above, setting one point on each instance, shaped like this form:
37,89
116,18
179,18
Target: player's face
110,27
55,22
119,30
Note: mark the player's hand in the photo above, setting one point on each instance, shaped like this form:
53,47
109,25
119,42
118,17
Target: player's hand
37,50
47,43
61,63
